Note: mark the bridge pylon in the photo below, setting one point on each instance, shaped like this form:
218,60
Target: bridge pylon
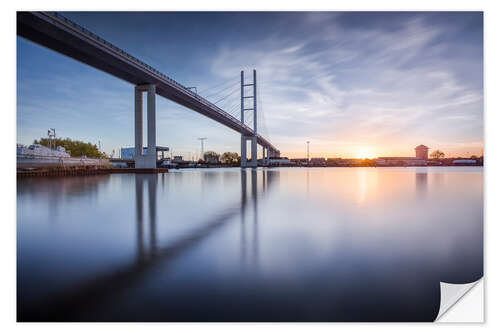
251,138
148,160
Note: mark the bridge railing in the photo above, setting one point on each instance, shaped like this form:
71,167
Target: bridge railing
171,81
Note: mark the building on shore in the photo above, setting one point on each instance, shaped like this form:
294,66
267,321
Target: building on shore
400,161
349,162
343,161
422,152
129,152
211,158
464,162
280,161
420,159
299,161
317,162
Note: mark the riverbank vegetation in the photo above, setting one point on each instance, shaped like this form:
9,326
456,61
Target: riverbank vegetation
75,148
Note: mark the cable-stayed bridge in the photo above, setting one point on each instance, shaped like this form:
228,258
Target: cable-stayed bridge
60,34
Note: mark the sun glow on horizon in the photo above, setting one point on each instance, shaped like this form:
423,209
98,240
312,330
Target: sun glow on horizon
365,152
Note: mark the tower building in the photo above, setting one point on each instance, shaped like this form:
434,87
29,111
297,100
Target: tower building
421,152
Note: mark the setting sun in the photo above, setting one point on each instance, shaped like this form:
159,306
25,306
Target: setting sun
365,152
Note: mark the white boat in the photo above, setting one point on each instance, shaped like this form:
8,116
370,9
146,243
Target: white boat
37,150
36,155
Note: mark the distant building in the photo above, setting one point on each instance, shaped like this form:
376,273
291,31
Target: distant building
317,161
420,159
177,159
400,161
347,162
342,161
128,153
465,162
434,163
211,159
280,161
421,152
299,161
333,161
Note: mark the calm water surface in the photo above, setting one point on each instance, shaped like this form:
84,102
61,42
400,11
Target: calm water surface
318,244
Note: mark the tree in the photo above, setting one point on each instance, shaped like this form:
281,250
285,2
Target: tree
74,148
211,157
437,154
230,158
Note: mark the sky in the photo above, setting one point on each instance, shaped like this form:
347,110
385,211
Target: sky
353,84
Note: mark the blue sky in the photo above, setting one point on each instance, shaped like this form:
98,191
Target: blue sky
354,84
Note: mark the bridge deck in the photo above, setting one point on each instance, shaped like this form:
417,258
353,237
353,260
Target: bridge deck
57,33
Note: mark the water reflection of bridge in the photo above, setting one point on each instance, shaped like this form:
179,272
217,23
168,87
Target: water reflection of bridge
69,304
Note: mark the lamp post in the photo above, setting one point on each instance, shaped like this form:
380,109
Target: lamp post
52,138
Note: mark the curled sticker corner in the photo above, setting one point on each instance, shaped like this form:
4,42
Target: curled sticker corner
451,293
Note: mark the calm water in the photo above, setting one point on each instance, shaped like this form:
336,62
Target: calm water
319,244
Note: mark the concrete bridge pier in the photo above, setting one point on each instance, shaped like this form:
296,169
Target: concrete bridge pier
148,160
265,155
244,162
253,163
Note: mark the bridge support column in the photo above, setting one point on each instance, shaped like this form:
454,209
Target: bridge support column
263,155
147,160
253,149
243,162
253,163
